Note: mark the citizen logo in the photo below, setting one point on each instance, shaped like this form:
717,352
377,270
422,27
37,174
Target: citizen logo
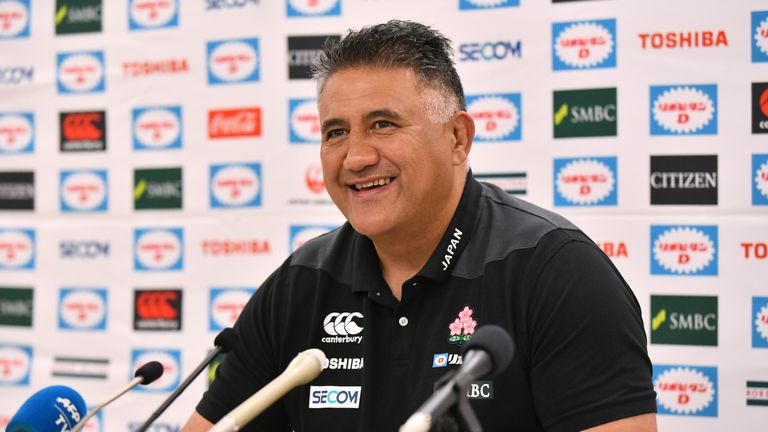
302,51
343,327
684,180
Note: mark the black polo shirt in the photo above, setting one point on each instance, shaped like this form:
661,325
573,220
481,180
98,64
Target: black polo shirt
581,355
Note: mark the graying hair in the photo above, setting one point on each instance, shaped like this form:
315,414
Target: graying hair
399,44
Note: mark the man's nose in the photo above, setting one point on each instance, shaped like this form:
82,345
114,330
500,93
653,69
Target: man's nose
361,153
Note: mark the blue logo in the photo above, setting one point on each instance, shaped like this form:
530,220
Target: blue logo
313,8
171,361
759,322
235,185
14,19
84,191
300,234
17,361
158,249
490,51
303,121
149,15
17,249
684,250
440,360
487,4
586,181
83,309
498,117
759,175
233,61
578,45
686,390
226,305
80,72
759,36
157,128
684,109
17,132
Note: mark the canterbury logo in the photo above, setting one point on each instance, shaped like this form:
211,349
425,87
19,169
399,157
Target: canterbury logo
82,126
341,324
157,305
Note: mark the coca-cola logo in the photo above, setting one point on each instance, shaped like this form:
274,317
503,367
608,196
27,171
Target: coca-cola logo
17,249
83,309
686,390
158,249
84,190
81,72
584,44
585,181
304,119
171,361
226,305
14,19
15,364
497,117
233,61
157,128
148,14
236,185
313,7
684,250
16,132
684,109
313,177
234,123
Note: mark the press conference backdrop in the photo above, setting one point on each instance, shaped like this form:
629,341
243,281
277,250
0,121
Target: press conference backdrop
159,158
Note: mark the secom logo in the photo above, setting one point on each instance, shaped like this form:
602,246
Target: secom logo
684,250
686,390
334,396
584,44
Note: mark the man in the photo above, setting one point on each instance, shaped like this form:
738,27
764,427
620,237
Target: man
428,255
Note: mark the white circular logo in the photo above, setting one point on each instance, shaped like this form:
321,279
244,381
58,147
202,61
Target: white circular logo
84,191
152,13
81,72
684,390
313,7
233,61
307,234
15,364
683,250
584,45
235,185
15,132
761,322
761,36
171,371
157,128
14,18
16,249
761,179
305,121
158,249
585,181
495,117
683,110
227,306
82,309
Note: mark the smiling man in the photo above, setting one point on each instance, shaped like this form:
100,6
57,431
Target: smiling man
428,255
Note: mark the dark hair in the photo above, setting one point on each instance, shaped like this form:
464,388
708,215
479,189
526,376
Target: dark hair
395,44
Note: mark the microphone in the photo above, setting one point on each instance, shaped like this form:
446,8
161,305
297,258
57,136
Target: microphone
305,367
485,355
224,342
53,409
146,374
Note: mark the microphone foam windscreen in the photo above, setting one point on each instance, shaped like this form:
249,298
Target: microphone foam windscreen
496,342
43,410
226,339
150,372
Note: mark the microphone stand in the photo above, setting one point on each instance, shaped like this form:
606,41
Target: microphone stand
462,410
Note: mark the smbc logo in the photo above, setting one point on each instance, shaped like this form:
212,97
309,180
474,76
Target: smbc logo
342,324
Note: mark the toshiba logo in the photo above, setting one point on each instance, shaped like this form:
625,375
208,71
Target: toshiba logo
343,327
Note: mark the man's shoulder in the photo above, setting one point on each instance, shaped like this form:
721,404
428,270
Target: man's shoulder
326,252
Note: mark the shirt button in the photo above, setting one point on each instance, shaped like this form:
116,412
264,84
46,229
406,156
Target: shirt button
403,321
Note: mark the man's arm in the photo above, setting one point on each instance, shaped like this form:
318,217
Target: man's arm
641,423
197,423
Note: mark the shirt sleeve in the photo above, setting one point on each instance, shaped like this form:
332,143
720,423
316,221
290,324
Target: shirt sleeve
250,365
588,358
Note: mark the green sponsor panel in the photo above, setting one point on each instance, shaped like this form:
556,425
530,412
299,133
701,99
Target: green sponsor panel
16,307
585,113
684,320
77,16
160,188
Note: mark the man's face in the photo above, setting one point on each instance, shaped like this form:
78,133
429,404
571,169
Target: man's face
388,167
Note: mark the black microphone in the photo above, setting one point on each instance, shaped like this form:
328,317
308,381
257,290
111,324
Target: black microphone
224,342
488,353
146,374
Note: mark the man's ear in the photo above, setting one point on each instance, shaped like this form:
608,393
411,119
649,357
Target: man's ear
463,134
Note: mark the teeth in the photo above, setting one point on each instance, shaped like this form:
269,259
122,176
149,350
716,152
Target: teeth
379,182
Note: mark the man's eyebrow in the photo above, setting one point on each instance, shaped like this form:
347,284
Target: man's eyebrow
332,122
384,112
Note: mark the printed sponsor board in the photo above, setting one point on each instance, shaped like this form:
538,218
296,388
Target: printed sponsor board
684,250
684,180
312,8
498,117
84,191
589,181
17,132
686,390
684,320
585,113
578,45
684,109
83,309
78,16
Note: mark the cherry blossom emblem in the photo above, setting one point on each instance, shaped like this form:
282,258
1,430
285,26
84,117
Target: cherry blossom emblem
463,327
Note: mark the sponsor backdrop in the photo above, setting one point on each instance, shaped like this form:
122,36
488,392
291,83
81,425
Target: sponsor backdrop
158,159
